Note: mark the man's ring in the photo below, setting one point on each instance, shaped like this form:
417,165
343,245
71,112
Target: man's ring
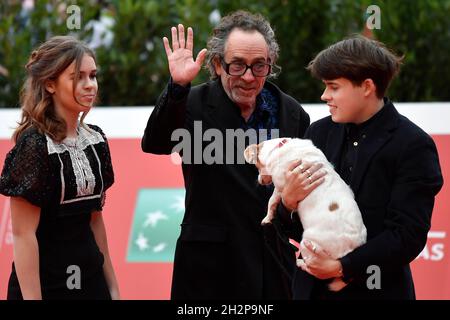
314,249
310,180
302,169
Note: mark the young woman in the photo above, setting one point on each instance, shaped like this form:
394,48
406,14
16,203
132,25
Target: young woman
56,175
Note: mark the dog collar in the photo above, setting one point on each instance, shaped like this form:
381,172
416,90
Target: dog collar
282,143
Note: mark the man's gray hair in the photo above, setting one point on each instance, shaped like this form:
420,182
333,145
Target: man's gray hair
245,21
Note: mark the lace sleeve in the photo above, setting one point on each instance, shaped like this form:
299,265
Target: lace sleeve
108,172
107,168
27,170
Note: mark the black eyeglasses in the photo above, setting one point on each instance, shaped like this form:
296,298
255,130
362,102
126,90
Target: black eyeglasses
259,69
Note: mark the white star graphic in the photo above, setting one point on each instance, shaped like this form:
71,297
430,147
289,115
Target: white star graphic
178,204
159,247
153,218
141,242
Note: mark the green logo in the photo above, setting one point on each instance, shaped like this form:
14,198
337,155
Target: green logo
156,225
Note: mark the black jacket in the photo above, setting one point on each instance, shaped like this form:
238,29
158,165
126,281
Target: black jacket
220,252
395,180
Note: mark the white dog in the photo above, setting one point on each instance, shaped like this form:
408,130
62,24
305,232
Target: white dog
329,214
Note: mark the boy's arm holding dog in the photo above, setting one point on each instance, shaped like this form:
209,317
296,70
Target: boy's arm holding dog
301,180
407,217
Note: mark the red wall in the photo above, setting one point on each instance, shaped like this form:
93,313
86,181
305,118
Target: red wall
135,170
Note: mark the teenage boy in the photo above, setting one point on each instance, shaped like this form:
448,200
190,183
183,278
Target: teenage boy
391,165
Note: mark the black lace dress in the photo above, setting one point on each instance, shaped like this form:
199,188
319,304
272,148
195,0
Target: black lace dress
67,181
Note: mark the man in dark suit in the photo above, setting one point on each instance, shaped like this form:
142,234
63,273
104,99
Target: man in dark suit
222,251
391,165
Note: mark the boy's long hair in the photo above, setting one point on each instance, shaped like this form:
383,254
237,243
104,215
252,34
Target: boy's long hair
46,64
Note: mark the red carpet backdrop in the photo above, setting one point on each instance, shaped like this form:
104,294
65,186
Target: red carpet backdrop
145,206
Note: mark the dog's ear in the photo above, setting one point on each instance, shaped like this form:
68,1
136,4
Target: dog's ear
251,154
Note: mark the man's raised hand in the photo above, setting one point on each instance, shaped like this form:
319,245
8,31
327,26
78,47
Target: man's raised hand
183,69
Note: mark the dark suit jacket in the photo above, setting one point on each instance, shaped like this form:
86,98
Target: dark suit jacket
395,180
220,252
